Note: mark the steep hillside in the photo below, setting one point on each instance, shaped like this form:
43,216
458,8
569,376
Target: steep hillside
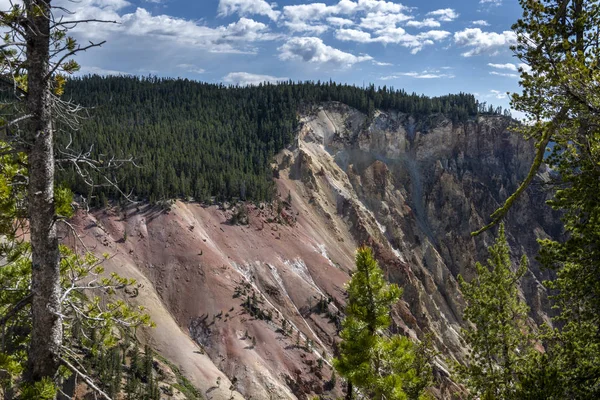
414,190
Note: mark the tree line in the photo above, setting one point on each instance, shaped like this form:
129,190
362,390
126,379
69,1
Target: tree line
202,141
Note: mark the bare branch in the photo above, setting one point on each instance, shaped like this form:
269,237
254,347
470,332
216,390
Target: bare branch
15,309
71,53
82,21
86,378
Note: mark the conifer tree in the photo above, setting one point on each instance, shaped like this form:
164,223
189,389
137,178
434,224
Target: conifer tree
380,367
497,332
558,41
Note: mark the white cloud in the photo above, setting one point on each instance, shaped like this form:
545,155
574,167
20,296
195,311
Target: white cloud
480,22
434,74
318,11
508,66
382,64
341,22
191,68
497,94
106,10
381,6
313,50
434,34
380,20
151,30
525,67
482,42
309,12
491,2
393,35
232,38
246,78
426,23
506,74
247,7
444,14
353,35
301,26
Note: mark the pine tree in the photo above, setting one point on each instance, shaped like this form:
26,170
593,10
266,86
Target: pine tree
558,42
497,337
379,367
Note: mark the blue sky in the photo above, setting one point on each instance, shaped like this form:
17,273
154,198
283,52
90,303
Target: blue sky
431,47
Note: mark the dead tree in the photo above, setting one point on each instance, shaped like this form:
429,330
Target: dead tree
35,58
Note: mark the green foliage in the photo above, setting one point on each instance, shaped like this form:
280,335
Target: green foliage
558,40
62,198
13,176
201,140
422,365
41,390
497,337
183,384
92,324
379,366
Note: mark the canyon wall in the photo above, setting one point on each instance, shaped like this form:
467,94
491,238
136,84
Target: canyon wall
247,310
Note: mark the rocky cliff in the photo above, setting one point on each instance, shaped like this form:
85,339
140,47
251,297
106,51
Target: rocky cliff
247,310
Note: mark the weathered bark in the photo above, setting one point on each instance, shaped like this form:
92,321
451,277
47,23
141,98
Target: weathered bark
46,336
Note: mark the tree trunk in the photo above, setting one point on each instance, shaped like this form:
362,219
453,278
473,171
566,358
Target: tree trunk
46,335
349,391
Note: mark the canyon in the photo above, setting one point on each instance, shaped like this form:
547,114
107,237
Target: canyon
248,297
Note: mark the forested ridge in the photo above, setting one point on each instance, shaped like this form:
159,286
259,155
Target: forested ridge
201,140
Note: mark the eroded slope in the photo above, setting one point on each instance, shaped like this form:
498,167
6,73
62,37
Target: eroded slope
414,190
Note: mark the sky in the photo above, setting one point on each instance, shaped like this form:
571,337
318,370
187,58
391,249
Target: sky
431,47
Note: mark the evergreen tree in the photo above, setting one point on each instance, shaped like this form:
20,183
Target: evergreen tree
379,367
558,41
497,332
204,141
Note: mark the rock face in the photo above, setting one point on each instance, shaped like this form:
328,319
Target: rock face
262,301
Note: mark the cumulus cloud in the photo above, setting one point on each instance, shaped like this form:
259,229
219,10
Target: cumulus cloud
444,14
246,79
354,35
380,20
367,21
483,42
107,10
426,23
508,66
301,26
310,11
393,35
236,37
480,22
506,74
247,7
427,74
318,11
381,6
497,94
313,50
341,22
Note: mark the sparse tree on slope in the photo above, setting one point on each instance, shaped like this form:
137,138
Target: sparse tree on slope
497,335
377,365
